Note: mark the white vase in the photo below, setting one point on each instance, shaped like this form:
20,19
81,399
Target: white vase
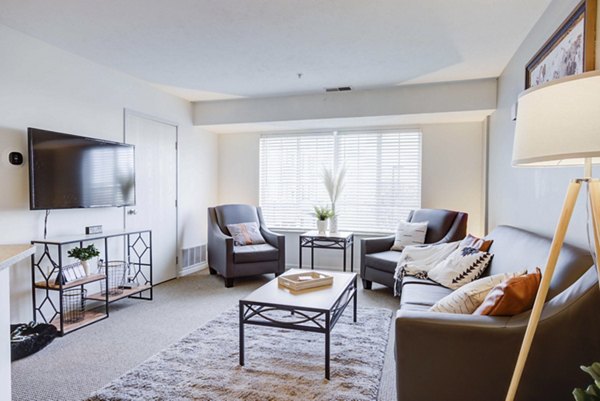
86,267
322,226
333,224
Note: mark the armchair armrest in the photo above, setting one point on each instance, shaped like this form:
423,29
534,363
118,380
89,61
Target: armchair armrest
378,244
272,238
220,246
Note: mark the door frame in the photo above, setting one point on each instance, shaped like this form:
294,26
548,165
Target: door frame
134,113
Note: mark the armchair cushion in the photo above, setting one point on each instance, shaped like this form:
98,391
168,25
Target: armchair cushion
409,233
255,253
246,233
385,261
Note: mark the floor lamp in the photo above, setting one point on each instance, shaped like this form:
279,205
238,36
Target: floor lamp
558,124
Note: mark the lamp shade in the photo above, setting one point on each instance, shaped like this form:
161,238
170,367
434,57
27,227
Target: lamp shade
558,123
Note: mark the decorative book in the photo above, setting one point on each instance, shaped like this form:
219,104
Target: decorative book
303,281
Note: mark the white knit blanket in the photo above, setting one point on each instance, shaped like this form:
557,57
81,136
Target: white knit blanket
417,259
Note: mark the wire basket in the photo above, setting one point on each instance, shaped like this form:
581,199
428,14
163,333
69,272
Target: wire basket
73,305
115,272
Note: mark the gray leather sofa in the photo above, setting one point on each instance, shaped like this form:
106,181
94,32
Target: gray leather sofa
378,262
231,261
454,357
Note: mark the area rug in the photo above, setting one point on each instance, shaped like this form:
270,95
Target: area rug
280,364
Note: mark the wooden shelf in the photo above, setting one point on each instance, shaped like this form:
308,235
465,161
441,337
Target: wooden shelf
52,286
88,318
127,292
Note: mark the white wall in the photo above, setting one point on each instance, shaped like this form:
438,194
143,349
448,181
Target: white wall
452,177
528,197
45,87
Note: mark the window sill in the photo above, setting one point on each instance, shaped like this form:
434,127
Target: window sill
356,233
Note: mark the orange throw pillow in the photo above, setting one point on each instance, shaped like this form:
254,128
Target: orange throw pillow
512,296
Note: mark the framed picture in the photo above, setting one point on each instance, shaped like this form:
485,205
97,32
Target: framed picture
569,51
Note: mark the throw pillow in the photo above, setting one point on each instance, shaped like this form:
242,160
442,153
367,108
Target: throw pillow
245,234
512,296
471,241
468,297
461,267
409,234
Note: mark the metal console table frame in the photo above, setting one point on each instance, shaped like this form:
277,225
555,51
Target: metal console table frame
306,314
137,249
315,240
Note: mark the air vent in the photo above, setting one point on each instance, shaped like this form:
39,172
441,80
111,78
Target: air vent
339,89
192,259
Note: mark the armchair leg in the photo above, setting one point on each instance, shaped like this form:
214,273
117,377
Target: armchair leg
212,271
367,285
228,282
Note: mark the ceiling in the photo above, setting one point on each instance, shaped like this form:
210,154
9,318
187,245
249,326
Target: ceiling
219,49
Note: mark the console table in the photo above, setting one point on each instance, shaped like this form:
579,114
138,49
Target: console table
327,240
135,248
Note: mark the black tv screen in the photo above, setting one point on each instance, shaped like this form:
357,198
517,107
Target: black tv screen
69,171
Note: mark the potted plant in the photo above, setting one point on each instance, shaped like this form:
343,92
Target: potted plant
322,214
84,254
592,392
334,183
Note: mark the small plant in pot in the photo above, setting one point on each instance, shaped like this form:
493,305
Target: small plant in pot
322,214
592,392
84,254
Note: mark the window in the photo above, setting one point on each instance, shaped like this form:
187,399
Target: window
382,184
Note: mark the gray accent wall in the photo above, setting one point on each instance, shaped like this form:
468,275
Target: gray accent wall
530,198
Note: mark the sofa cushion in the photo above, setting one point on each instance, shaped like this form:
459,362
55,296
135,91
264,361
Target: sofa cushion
512,296
461,267
515,249
254,253
385,261
424,293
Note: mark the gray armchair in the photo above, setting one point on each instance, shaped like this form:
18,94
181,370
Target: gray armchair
231,261
378,262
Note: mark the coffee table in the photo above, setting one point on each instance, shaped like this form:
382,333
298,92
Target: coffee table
316,310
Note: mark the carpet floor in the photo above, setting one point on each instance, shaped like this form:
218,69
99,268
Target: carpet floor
73,367
282,365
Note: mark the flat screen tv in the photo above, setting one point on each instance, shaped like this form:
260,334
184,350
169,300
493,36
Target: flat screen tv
69,171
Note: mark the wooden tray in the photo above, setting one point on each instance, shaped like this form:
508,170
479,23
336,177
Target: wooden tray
303,281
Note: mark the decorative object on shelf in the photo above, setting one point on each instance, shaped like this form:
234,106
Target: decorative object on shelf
322,214
73,301
304,281
559,125
69,273
592,392
115,272
334,183
569,51
84,254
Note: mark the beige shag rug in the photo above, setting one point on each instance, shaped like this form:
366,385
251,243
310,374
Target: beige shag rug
280,364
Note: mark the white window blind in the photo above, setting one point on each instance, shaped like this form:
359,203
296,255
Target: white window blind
382,185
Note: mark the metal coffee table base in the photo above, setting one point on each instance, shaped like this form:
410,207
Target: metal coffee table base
304,319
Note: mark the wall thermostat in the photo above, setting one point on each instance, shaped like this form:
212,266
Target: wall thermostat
15,158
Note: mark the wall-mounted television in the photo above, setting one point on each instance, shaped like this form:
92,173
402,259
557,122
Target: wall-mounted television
70,171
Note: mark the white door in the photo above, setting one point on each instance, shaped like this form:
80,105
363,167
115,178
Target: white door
155,188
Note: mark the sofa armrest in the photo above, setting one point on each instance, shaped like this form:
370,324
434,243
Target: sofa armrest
378,244
464,355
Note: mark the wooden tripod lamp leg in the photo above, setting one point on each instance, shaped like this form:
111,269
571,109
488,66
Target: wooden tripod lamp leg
595,203
536,312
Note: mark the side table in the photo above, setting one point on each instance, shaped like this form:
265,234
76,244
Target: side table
327,240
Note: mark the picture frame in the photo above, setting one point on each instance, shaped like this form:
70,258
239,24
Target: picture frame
569,51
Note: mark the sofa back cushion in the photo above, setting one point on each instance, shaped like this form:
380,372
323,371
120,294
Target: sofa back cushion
515,249
439,222
235,214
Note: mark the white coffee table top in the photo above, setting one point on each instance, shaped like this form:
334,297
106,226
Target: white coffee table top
327,234
317,298
11,254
